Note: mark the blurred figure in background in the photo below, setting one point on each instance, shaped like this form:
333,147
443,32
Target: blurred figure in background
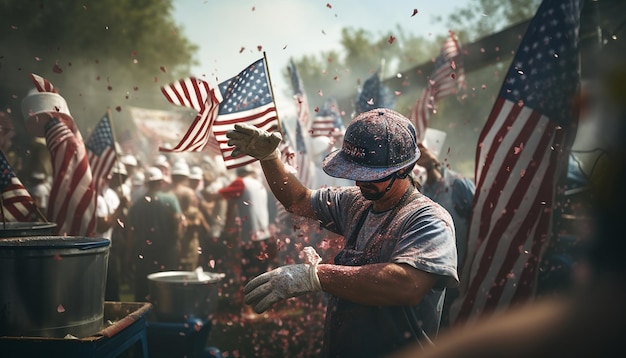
248,213
39,189
456,194
110,207
155,224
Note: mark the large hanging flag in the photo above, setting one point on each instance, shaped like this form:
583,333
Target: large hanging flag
199,95
247,99
17,204
522,153
101,151
374,94
447,78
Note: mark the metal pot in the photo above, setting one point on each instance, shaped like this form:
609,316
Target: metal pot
51,286
20,229
179,295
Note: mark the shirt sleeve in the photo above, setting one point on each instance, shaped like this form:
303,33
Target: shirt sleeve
332,206
428,244
463,196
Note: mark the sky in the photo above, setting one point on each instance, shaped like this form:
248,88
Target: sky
229,32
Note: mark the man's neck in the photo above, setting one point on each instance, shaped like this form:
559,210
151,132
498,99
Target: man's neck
393,196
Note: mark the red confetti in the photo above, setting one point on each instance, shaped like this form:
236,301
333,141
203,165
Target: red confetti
328,5
109,88
163,69
391,39
253,8
241,49
260,48
317,109
118,108
57,69
414,12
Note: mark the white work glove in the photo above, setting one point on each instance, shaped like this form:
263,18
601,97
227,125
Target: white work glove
253,141
283,282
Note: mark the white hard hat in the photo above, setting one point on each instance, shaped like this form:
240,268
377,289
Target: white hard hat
196,173
138,178
154,174
181,168
129,159
119,168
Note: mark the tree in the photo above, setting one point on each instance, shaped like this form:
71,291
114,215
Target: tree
107,53
340,73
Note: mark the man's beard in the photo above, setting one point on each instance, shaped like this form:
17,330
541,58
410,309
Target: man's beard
372,195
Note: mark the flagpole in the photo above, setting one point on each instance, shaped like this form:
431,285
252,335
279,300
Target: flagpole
117,155
4,220
269,80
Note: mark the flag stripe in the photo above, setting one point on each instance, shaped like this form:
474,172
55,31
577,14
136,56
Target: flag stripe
72,196
196,94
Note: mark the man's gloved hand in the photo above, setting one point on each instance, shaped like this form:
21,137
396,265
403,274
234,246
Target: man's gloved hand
253,141
283,282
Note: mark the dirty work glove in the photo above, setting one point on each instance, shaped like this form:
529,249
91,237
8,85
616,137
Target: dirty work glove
253,141
283,282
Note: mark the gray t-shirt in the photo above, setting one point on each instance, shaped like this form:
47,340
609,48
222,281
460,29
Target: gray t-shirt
421,234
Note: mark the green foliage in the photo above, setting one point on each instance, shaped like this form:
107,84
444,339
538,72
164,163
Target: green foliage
339,74
99,54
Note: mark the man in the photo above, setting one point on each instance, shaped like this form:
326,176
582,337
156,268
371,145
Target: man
110,206
156,223
248,202
388,283
456,194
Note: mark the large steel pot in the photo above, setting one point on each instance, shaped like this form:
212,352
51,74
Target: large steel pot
179,295
51,286
20,229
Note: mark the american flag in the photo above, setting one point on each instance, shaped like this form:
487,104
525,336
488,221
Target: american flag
447,78
101,151
327,121
196,94
247,98
17,204
373,94
72,202
521,155
303,162
302,103
42,84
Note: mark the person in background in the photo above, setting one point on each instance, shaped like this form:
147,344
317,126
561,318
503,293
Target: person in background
248,212
196,177
110,207
163,163
137,187
155,225
387,284
456,194
39,190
